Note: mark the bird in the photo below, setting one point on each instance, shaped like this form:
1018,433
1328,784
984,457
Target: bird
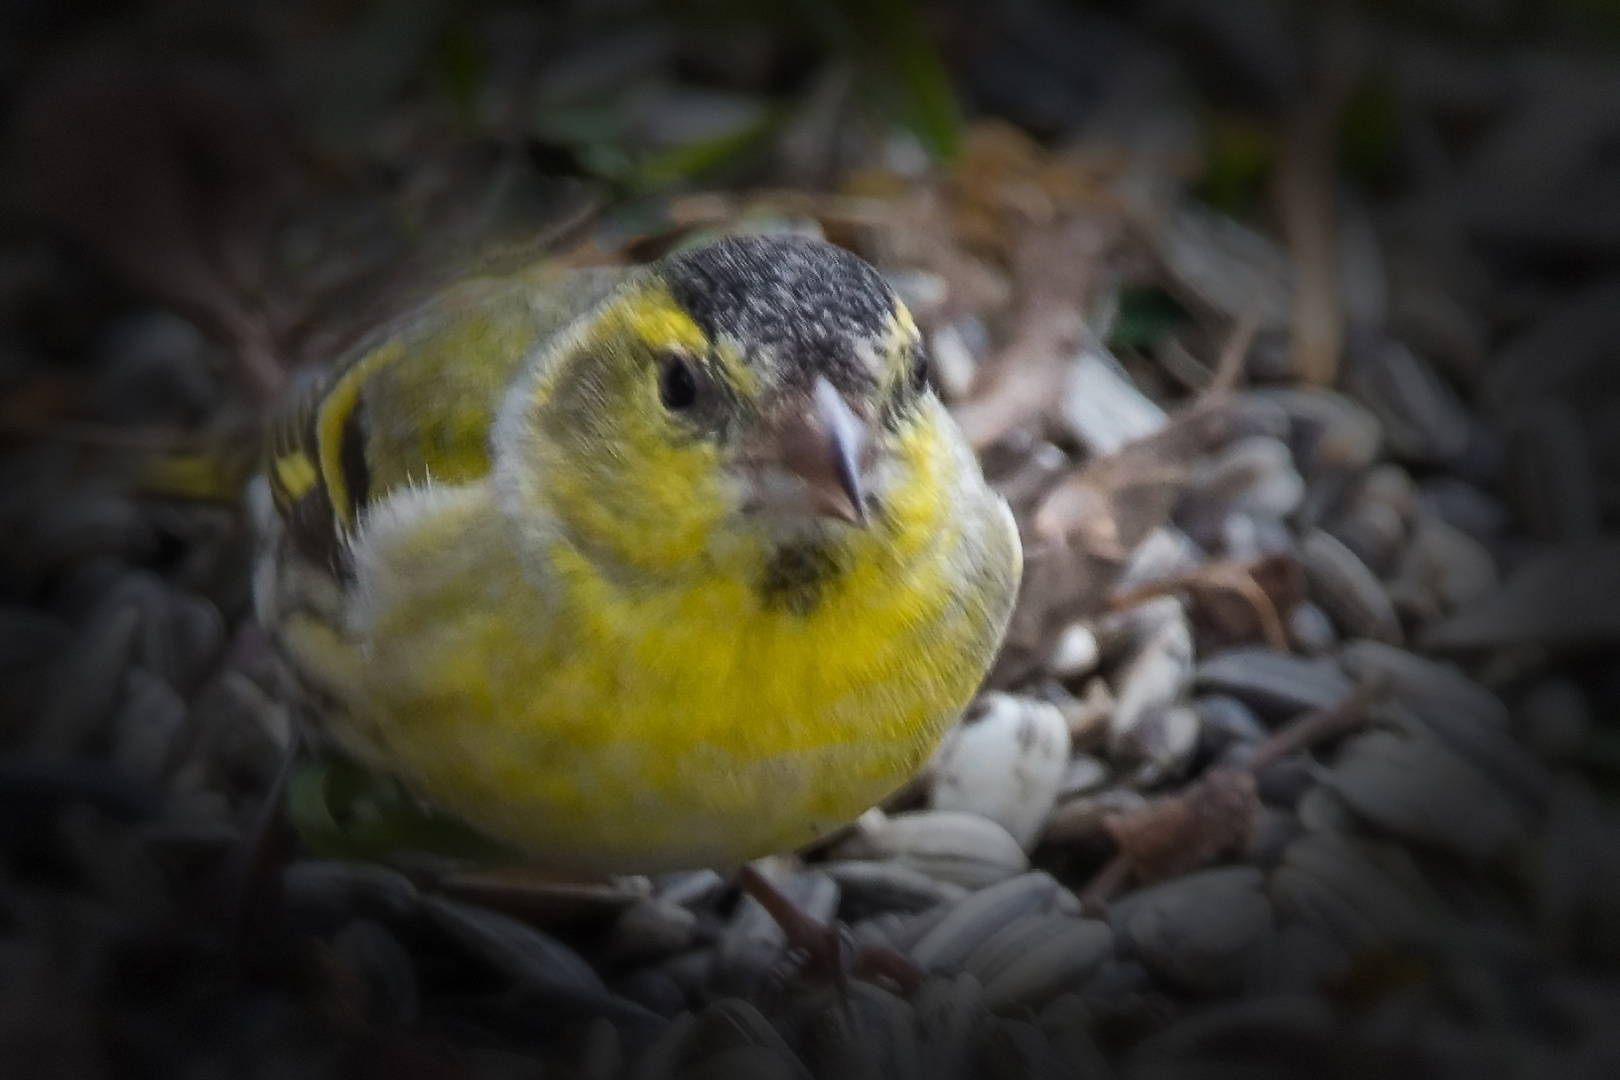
637,569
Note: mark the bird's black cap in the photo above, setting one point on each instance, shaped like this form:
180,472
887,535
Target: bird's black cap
803,302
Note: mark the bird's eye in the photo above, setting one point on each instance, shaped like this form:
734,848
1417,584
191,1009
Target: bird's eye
919,369
677,384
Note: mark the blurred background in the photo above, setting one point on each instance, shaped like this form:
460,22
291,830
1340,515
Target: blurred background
1288,330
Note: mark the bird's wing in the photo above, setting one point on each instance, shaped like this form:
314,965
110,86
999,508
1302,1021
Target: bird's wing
414,402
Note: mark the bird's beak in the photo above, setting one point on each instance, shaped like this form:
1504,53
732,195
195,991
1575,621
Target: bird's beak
822,443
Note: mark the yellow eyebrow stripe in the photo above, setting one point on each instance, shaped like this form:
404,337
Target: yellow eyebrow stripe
334,413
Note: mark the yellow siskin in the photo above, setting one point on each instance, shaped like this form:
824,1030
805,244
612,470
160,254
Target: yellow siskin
643,569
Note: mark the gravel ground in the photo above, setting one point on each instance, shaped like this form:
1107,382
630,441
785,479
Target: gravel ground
1287,341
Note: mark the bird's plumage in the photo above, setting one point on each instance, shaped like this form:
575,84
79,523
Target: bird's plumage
602,619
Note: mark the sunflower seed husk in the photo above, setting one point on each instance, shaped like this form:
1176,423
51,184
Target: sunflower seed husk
1494,753
953,363
1327,429
693,971
651,927
1421,416
1067,952
953,846
1128,630
1322,810
867,888
876,1037
1297,960
1164,553
901,931
602,1056
662,1057
973,919
734,1024
1254,475
1087,716
1417,788
148,726
536,962
1066,1023
1325,881
1228,268
380,972
1310,630
1003,948
1567,596
1080,821
754,941
1374,531
155,368
1197,931
1272,682
87,681
1347,590
1274,829
950,1015
1083,775
1224,721
1249,1037
1445,564
1551,469
1431,688
1003,762
652,988
1464,506
1101,407
77,528
179,633
1554,718
1016,1050
1157,676
1162,744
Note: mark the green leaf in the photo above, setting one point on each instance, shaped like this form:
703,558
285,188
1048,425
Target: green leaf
696,158
1146,314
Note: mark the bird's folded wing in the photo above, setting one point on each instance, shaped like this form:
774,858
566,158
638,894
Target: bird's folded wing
413,404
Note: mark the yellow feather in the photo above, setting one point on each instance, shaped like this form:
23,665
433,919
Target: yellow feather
557,627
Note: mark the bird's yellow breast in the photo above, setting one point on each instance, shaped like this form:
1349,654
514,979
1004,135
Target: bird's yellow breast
640,728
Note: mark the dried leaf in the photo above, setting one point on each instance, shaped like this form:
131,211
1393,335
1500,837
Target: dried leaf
1188,830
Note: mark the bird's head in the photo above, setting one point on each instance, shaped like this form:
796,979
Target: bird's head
750,401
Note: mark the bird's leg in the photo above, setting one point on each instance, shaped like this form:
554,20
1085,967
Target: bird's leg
828,947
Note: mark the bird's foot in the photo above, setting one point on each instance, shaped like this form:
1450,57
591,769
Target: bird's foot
828,950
